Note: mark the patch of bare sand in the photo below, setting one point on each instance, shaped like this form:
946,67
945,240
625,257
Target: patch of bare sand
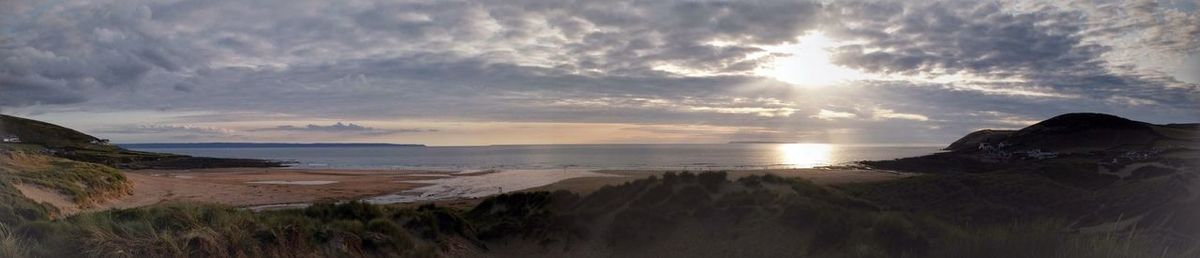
42,195
819,176
231,186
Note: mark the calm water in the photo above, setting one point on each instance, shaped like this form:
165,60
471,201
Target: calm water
633,156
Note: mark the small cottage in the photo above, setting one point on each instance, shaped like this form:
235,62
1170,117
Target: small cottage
10,139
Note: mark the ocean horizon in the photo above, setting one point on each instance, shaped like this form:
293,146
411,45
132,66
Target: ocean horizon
585,156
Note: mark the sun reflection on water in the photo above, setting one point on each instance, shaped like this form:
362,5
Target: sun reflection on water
805,155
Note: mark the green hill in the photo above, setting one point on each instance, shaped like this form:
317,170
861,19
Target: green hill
45,134
1083,132
1102,172
972,140
46,138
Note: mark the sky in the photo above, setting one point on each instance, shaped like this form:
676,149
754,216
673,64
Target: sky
583,72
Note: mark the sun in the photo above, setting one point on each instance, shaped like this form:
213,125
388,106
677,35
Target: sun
805,155
806,63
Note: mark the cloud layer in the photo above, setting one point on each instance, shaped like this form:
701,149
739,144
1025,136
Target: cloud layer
339,128
940,68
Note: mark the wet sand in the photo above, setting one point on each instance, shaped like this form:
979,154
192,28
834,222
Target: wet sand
482,185
275,187
259,186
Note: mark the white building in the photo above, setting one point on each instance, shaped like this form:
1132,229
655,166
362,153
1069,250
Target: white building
10,139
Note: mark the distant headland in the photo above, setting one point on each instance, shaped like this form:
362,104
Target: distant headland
759,142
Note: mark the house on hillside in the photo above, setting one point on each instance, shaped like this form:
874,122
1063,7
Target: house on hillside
100,141
1037,154
8,138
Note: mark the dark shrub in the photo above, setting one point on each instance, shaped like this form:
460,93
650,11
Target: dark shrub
712,180
654,196
349,210
899,237
832,235
687,177
688,198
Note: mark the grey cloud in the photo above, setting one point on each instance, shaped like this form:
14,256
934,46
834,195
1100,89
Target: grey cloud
21,91
946,38
543,61
1162,27
84,52
339,127
476,91
165,129
1047,48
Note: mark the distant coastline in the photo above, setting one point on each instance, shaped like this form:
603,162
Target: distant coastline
258,145
760,142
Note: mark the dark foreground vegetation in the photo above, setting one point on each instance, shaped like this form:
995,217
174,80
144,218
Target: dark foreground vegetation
1096,172
677,215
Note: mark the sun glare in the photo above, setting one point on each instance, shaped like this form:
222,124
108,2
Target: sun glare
805,155
807,63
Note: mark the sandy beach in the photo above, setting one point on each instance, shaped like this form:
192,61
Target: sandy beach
281,187
261,186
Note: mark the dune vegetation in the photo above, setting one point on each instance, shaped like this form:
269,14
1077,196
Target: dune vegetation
696,215
79,183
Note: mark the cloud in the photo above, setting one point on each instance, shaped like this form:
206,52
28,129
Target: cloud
1047,49
832,115
165,129
1152,25
890,114
65,56
873,113
649,63
340,128
93,48
16,91
948,38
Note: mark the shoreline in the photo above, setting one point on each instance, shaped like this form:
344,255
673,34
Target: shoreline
267,188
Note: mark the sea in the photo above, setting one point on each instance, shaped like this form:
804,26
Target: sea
606,156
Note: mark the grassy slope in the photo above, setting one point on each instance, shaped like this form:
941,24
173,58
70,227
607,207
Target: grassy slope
45,134
688,216
678,215
84,183
987,198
